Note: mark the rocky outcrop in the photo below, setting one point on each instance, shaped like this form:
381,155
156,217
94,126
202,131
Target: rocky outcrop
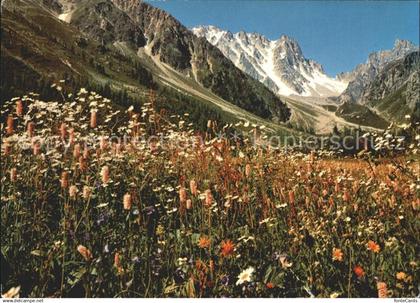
365,73
54,5
396,89
101,20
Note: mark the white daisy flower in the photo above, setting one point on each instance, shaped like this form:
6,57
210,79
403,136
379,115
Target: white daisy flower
245,276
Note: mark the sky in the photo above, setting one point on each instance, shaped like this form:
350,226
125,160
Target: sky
337,34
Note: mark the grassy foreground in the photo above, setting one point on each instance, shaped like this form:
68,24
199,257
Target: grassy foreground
175,213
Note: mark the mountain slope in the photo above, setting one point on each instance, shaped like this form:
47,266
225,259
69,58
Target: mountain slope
39,49
279,64
107,24
395,91
171,43
35,42
363,74
361,115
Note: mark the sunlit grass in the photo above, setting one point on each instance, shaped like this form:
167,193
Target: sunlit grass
149,217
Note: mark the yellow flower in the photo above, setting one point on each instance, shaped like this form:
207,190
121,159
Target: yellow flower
334,295
86,192
160,230
73,191
401,275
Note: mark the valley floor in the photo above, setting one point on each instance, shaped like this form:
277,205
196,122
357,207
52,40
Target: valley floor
319,115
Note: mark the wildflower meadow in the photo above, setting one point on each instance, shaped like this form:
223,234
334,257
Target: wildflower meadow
100,201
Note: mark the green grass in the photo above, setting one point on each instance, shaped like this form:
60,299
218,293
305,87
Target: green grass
362,115
393,106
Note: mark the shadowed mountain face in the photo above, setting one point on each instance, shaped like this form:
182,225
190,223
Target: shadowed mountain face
363,74
127,46
105,23
38,49
388,94
395,91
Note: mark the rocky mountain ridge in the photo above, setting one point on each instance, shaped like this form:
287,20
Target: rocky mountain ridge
148,42
364,73
279,64
168,41
395,91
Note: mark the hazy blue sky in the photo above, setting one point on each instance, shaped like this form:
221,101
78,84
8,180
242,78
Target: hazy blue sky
337,34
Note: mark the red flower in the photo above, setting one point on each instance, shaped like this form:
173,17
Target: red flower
373,246
358,270
227,248
337,254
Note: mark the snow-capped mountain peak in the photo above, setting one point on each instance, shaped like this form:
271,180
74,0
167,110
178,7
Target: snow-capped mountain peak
279,64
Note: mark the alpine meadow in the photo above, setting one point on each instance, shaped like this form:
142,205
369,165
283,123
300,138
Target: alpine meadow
145,158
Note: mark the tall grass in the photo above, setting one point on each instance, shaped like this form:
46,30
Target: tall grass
160,216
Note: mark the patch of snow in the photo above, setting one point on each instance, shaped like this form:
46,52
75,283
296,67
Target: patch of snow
315,84
268,67
66,17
